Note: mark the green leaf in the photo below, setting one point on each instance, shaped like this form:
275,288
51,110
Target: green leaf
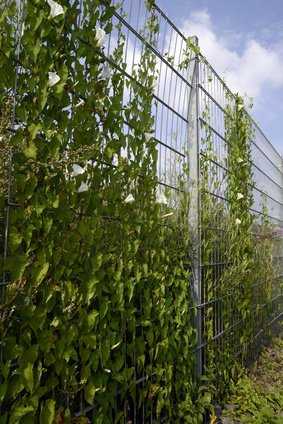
27,377
43,97
30,151
16,265
90,288
36,49
118,362
38,19
31,354
97,261
19,412
5,368
109,151
63,78
3,390
15,386
92,318
47,223
33,130
55,202
40,271
15,239
47,414
90,391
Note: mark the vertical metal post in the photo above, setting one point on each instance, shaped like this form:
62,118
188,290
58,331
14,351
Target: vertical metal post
194,210
6,209
18,35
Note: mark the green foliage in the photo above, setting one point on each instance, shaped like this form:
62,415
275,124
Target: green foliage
242,244
99,309
99,312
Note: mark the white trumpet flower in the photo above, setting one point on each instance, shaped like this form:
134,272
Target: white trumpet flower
53,78
77,170
99,36
115,160
83,187
80,103
148,136
240,196
238,221
161,199
130,198
55,8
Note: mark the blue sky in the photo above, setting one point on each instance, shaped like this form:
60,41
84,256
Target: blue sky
243,40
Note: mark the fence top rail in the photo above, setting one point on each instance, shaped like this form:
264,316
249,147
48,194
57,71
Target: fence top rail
221,80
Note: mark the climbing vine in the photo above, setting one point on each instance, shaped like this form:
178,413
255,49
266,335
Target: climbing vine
242,244
97,321
98,308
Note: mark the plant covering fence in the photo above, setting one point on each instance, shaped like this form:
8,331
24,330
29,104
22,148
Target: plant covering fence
141,219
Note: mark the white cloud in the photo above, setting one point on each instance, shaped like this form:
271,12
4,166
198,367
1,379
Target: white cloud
247,72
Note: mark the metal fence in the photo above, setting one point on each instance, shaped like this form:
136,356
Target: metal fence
181,97
267,190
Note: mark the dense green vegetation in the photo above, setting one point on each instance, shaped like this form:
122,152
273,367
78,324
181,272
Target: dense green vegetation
257,398
98,319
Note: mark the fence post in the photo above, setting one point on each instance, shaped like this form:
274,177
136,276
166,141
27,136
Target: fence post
194,210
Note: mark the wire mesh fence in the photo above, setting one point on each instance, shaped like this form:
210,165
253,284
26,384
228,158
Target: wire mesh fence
190,101
266,165
174,91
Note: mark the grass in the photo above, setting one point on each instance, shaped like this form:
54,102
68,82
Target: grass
257,398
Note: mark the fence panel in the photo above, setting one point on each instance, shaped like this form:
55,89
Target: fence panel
172,131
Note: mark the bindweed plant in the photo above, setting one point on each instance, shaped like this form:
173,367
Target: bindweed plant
98,319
